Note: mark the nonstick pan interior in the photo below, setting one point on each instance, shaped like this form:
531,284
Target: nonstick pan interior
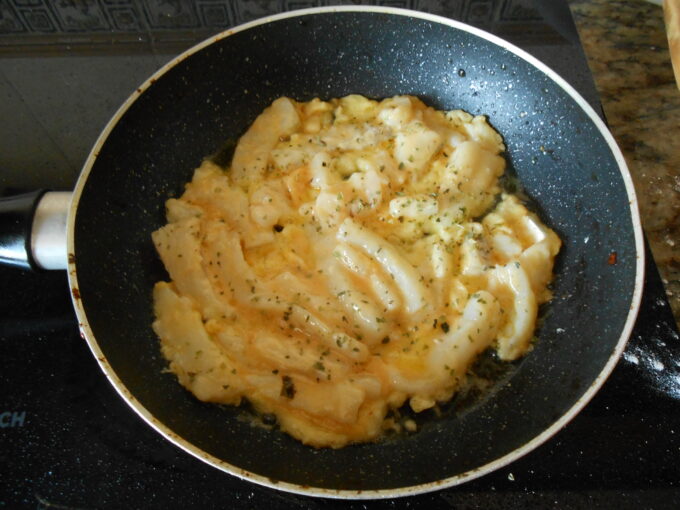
565,164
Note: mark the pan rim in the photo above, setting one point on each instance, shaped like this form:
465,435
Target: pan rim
545,435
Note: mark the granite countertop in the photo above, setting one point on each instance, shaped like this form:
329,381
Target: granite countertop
627,49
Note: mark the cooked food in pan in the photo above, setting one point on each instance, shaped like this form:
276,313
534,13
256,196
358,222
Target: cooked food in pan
356,256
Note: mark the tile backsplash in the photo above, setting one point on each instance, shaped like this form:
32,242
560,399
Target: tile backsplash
48,26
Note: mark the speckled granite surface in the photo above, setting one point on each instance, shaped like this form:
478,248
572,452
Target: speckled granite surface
627,49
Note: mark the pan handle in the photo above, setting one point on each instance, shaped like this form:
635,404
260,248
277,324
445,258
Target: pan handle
33,230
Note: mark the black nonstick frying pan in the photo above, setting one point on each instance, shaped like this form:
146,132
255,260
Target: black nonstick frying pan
563,156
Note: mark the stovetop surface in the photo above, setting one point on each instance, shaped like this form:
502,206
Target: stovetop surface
67,440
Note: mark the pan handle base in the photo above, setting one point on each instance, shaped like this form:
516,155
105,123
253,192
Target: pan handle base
33,230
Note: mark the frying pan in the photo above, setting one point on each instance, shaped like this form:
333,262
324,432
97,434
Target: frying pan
200,103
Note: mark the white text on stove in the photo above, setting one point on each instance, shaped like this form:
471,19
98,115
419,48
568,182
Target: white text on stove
12,419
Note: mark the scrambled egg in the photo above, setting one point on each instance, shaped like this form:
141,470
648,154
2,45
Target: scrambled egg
356,256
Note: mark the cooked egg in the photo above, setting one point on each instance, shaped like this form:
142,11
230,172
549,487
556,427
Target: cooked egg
357,256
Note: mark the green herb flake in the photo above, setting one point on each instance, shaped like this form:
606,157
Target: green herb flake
288,387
